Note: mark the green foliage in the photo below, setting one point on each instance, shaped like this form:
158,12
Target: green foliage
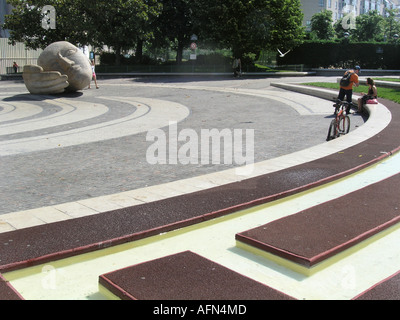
344,54
371,27
174,26
286,25
116,23
213,59
121,22
245,27
321,25
109,59
25,23
391,25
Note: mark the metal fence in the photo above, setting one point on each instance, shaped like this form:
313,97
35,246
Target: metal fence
18,53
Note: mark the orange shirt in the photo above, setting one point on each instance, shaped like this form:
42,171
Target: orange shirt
353,79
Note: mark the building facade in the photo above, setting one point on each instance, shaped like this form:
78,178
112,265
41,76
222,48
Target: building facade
341,8
5,8
13,53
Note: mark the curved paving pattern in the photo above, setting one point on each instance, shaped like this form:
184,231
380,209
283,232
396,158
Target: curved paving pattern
146,114
51,179
120,226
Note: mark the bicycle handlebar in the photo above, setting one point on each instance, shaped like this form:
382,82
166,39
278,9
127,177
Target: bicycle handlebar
345,103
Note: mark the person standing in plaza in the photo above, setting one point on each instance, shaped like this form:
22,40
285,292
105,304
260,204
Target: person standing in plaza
237,67
15,66
94,74
349,79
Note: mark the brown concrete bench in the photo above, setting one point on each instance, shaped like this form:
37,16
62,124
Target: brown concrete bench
7,292
314,238
185,276
387,289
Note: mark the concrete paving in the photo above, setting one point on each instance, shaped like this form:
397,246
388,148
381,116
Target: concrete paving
74,144
268,110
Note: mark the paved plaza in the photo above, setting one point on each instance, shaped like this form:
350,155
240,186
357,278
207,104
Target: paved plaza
84,205
72,147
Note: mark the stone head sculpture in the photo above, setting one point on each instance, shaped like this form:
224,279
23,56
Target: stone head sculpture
60,66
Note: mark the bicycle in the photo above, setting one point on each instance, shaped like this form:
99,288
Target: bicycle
341,124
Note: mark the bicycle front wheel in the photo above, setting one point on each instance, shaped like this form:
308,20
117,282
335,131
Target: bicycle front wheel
332,132
344,124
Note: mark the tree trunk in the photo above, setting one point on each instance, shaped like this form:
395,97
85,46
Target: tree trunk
179,53
139,50
117,55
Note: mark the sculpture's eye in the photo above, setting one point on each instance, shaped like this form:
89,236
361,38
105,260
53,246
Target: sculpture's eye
70,52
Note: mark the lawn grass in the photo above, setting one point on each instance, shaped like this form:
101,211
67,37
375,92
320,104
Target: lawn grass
388,79
264,68
392,94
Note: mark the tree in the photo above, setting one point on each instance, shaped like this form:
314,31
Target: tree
247,27
322,25
369,27
120,24
286,24
25,23
339,30
174,25
391,25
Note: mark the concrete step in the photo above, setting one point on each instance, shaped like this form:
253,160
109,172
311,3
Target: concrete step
7,292
185,276
387,289
315,238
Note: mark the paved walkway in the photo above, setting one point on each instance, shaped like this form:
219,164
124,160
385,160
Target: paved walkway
74,144
230,195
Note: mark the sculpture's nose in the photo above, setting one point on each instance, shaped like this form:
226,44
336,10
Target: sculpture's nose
64,62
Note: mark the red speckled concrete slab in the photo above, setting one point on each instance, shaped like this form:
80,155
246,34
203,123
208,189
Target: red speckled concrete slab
7,292
185,276
388,289
315,234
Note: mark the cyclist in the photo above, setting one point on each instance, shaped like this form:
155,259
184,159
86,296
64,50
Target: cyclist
346,87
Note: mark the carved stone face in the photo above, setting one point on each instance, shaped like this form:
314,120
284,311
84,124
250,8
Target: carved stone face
67,59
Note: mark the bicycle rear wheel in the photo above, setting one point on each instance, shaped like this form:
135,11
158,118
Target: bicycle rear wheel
344,124
332,132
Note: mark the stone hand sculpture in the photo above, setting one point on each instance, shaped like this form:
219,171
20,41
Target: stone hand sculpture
39,82
61,66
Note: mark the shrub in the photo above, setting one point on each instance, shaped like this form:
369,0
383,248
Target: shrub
342,54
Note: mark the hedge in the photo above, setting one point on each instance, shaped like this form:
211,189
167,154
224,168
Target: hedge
326,54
